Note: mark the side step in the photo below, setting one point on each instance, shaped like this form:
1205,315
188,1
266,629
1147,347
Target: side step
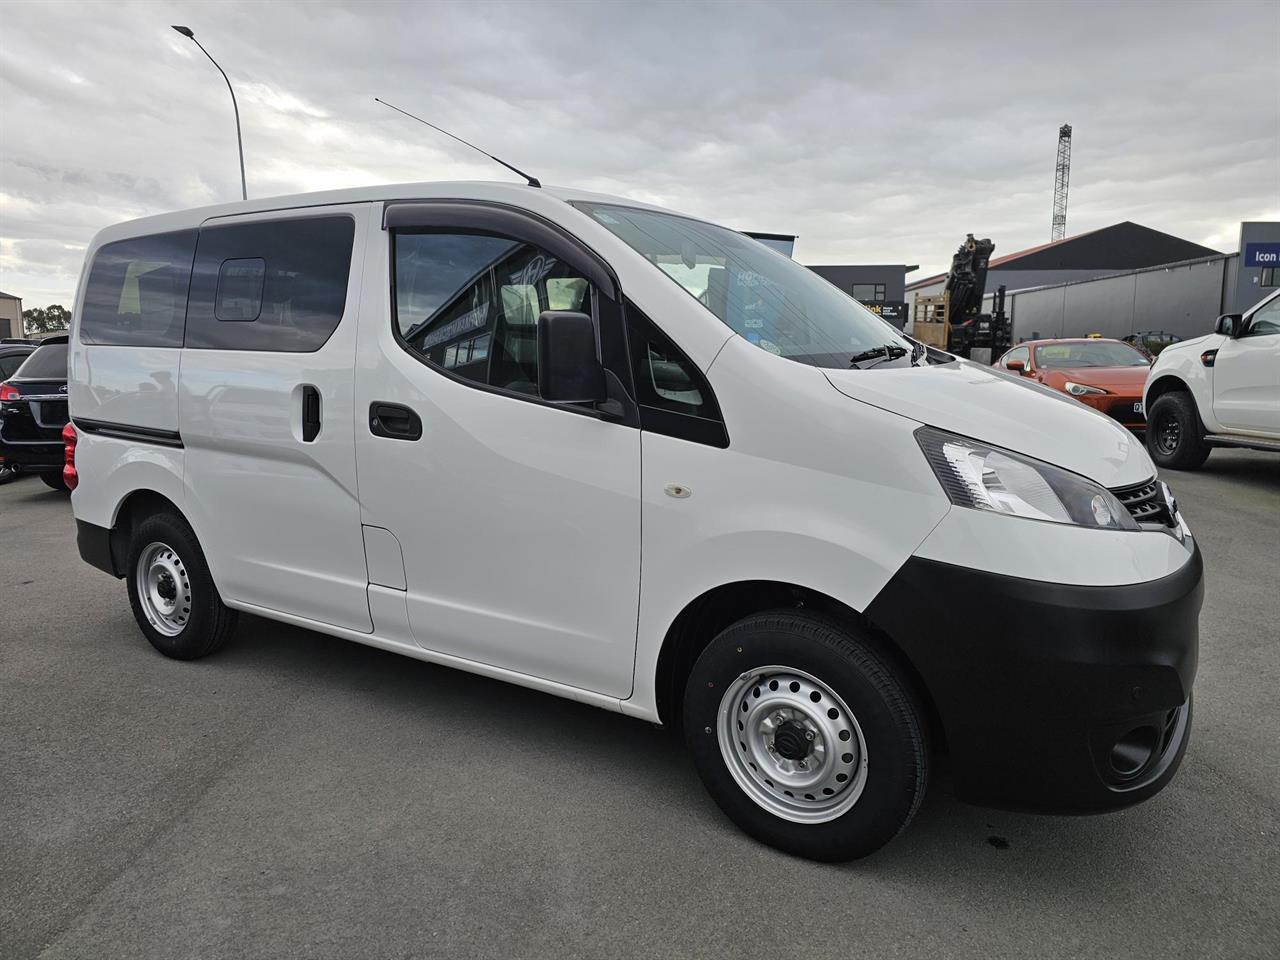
1253,443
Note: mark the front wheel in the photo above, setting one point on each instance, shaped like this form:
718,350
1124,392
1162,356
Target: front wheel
806,736
1175,438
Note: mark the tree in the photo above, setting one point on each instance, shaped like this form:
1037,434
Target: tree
49,320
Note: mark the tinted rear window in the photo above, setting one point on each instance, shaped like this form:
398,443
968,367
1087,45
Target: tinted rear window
137,291
47,363
276,285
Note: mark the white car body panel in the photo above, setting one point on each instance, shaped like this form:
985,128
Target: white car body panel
1240,394
542,546
279,518
519,522
977,402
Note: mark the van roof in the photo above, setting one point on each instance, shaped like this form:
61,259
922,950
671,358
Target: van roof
497,191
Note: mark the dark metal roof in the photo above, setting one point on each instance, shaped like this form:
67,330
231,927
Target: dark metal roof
1121,246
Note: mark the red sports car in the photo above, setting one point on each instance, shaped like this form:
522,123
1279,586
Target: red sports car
1108,375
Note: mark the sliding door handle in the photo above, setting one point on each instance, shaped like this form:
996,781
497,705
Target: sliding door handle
310,414
394,421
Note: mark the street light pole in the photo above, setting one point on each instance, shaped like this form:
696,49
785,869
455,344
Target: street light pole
190,35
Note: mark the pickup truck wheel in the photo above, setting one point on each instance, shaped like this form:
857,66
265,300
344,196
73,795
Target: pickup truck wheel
1175,438
806,738
171,592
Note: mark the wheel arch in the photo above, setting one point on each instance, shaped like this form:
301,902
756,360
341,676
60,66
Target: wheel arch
704,617
1166,383
135,506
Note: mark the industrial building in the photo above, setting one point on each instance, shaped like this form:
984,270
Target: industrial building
879,287
1120,247
10,315
1182,298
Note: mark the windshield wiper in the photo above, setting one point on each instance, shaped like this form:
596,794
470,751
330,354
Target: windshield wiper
879,354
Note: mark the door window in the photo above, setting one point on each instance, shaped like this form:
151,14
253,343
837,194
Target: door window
278,285
1265,321
469,303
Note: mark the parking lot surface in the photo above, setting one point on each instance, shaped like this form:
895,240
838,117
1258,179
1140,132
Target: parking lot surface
296,795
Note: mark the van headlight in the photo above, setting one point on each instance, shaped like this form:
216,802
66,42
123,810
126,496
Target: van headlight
983,477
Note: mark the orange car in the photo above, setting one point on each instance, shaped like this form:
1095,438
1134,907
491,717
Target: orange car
1108,375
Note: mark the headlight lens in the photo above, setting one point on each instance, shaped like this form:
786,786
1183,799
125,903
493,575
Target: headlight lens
982,477
1080,389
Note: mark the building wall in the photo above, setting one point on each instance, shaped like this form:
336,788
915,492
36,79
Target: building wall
1246,287
1182,299
1012,279
10,317
844,276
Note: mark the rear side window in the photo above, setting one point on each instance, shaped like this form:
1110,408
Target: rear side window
137,291
46,363
9,364
278,285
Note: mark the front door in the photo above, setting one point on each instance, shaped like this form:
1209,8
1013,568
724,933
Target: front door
265,411
1246,375
518,519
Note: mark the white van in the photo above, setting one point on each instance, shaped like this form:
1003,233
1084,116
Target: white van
642,461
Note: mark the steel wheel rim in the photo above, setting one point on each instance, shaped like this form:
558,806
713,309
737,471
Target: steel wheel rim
164,589
1168,434
763,715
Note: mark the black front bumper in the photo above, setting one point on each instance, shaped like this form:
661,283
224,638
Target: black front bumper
1036,683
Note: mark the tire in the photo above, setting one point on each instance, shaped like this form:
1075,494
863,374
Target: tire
171,592
54,480
774,664
7,473
1175,436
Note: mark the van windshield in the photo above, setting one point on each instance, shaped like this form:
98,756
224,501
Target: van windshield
768,298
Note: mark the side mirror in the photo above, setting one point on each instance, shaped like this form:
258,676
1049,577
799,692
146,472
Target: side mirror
1228,324
569,370
1017,366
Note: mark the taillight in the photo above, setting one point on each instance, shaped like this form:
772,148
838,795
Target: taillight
69,475
8,392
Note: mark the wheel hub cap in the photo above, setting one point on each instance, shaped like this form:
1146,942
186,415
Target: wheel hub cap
792,744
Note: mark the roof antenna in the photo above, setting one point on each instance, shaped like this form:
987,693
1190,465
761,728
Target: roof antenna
533,181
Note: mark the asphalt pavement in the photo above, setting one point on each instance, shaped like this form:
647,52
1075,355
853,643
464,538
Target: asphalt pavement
296,795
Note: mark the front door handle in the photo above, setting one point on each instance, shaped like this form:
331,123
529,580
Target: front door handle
394,421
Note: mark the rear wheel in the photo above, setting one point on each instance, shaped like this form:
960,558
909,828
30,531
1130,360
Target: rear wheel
806,736
7,473
54,480
1175,438
171,592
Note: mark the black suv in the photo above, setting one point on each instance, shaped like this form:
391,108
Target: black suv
33,411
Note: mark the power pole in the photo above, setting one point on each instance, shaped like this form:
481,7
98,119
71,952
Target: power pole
1061,174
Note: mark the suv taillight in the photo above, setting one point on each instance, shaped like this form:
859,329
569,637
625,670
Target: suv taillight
69,475
8,392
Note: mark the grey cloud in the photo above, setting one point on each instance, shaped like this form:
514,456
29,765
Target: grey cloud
878,132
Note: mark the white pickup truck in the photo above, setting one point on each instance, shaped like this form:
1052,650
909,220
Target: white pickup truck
1219,390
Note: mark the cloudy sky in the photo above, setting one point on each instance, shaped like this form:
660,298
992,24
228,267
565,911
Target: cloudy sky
880,133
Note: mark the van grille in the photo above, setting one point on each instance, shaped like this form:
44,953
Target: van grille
1145,503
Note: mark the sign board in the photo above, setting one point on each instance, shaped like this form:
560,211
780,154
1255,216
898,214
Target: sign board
895,311
1262,255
